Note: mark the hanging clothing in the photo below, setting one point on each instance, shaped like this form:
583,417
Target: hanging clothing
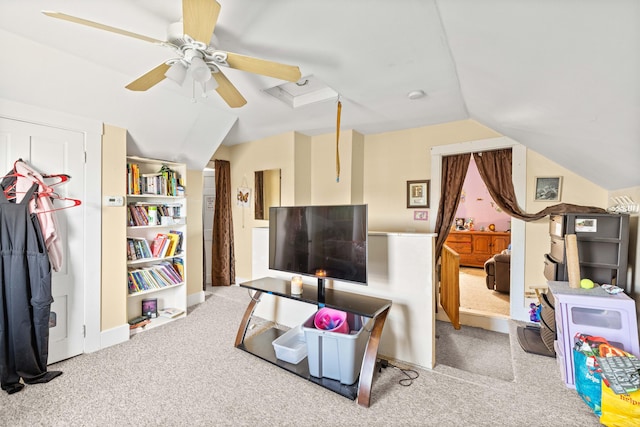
25,296
43,207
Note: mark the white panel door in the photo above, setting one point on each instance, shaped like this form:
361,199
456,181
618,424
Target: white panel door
54,151
209,197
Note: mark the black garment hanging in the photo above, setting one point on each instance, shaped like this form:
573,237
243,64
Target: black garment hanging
25,296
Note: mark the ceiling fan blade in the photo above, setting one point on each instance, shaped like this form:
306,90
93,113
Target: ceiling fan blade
266,68
228,91
88,23
199,18
149,79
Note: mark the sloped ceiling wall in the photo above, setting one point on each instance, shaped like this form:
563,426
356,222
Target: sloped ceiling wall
561,77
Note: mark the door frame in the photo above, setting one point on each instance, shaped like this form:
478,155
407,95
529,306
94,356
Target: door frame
91,199
518,309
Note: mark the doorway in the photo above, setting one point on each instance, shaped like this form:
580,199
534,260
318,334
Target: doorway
479,217
518,311
208,204
54,150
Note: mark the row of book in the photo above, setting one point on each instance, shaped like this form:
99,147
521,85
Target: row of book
138,248
163,246
165,182
167,245
141,214
154,277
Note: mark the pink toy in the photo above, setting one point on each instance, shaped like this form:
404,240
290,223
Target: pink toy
331,320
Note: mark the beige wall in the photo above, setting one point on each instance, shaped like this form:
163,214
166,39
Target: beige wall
373,170
575,190
393,158
277,152
380,165
326,189
194,232
114,233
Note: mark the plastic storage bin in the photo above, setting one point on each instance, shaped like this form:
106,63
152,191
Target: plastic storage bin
291,346
336,355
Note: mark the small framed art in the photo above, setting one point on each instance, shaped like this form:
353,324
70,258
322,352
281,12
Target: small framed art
418,194
548,189
150,307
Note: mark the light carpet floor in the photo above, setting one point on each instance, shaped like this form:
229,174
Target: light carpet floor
475,295
189,373
474,350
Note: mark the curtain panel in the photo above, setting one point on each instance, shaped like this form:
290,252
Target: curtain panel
495,168
223,259
259,195
454,170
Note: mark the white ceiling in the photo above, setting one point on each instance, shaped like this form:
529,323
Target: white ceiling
560,76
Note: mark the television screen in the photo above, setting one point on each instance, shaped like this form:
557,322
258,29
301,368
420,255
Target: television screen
320,241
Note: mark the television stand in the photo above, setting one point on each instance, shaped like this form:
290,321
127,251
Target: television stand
260,345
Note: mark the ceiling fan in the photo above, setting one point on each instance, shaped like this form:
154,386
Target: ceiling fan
195,54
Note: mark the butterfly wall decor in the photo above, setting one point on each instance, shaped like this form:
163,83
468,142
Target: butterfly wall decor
243,197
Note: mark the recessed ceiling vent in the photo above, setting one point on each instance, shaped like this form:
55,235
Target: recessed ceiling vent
305,91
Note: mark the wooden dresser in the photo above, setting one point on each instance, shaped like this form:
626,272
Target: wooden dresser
475,247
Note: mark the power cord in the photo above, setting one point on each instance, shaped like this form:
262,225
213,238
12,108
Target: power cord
409,373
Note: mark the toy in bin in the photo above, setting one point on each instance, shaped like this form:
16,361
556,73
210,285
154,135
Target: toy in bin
331,320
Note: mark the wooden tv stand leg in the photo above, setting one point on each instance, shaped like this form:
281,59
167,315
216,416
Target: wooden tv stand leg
369,360
244,324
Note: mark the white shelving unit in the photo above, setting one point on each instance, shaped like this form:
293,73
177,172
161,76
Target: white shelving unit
169,295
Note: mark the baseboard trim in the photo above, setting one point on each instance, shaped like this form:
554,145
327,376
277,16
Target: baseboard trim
114,336
478,319
196,298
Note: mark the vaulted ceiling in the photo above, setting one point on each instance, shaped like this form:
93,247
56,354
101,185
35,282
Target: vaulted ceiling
560,76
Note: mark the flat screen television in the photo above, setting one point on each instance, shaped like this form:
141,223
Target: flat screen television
327,242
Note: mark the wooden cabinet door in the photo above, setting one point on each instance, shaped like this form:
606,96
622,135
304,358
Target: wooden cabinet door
482,244
500,243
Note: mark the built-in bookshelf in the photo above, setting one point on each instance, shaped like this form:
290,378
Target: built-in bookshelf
156,240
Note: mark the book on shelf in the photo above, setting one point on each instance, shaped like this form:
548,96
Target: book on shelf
158,244
151,183
157,276
152,215
170,313
131,251
180,234
173,246
138,248
165,182
178,266
137,215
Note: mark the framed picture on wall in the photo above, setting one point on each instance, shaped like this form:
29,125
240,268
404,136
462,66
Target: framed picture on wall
418,194
548,189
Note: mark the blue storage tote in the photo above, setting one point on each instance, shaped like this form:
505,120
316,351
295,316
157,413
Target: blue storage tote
336,355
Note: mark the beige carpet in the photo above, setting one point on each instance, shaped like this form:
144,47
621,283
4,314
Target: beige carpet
188,373
475,295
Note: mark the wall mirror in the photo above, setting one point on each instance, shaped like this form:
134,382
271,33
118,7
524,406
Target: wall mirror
267,192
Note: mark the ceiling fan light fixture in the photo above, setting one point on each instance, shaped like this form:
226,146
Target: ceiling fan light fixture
209,86
177,72
199,70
